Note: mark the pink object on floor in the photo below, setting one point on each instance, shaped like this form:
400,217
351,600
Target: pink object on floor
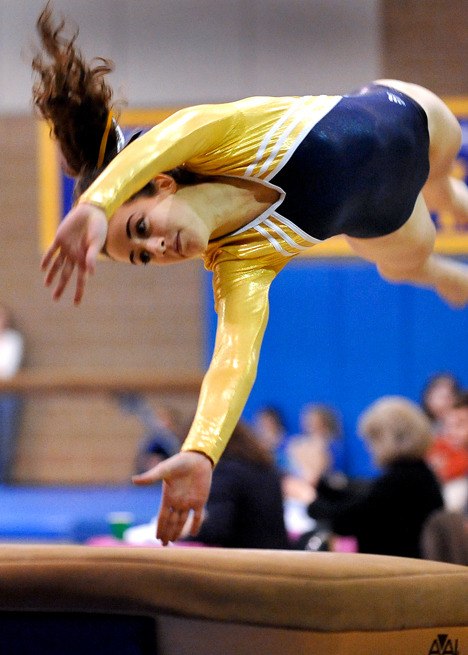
107,541
345,545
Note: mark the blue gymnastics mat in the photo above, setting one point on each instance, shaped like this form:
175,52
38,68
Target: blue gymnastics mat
70,514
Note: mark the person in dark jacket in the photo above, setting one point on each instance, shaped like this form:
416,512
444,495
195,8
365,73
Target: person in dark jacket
388,517
245,505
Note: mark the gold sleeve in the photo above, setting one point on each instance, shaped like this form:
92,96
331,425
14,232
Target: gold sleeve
184,135
241,296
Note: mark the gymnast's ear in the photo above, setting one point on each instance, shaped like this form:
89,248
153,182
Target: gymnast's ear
165,184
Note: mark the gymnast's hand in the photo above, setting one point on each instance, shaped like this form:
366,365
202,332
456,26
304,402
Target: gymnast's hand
186,479
78,241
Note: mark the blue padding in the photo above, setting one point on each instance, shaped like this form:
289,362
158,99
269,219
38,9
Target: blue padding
70,513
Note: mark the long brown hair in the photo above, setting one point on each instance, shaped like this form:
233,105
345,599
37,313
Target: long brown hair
245,445
73,96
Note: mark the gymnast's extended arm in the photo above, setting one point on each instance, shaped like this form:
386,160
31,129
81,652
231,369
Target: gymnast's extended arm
186,134
241,295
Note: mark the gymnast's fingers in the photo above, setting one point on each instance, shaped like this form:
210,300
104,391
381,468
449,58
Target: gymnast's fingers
54,269
148,477
162,530
176,524
81,279
197,520
92,255
67,271
47,257
171,519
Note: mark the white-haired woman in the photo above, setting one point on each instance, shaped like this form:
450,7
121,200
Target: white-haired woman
389,516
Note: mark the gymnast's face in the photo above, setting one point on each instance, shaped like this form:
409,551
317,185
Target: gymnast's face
161,229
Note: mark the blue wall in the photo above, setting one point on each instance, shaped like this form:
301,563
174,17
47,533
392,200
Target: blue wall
339,334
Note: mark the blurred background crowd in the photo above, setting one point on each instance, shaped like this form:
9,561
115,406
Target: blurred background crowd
274,489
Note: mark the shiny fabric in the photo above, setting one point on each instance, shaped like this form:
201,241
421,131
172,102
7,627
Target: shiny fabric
359,171
249,138
255,138
244,267
241,297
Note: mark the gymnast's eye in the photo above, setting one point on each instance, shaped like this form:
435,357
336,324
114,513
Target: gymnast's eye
141,228
145,257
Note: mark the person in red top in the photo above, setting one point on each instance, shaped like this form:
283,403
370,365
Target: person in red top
448,456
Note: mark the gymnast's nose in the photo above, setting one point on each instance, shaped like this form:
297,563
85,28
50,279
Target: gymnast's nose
156,245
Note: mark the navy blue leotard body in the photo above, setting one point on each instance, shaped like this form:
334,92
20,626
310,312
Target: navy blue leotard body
360,169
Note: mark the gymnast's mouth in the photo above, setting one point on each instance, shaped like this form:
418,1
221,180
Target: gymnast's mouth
178,245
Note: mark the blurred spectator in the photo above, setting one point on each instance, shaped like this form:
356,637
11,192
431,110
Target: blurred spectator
11,359
389,516
245,506
439,393
445,537
270,427
162,437
448,456
319,449
316,452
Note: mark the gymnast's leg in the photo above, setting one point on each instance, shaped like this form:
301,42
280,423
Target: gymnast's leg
406,255
442,191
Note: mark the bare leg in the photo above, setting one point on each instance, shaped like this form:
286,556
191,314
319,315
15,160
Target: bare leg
442,191
406,255
447,192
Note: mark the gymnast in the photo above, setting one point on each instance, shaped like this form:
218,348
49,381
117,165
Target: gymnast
247,186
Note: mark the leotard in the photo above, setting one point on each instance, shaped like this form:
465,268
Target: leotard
342,164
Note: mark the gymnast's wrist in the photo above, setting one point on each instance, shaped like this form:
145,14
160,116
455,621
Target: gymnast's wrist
94,202
199,452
